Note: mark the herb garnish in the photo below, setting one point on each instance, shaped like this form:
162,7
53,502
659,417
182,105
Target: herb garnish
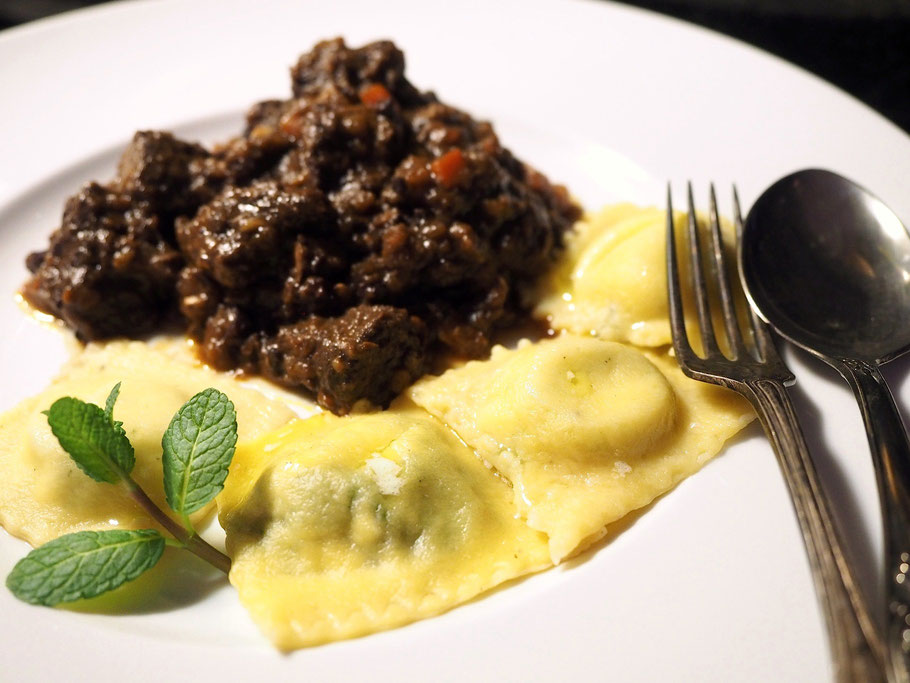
198,446
197,449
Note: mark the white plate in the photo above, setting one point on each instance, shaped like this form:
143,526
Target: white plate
711,584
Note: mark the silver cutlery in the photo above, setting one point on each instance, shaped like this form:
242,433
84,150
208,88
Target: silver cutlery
751,366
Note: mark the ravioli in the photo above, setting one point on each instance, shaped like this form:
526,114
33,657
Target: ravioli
585,430
611,282
45,495
341,526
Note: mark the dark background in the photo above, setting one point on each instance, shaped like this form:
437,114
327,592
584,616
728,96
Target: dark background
862,46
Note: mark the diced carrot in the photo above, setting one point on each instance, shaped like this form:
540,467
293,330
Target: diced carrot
447,167
373,94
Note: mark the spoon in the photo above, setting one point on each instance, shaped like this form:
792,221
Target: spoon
828,265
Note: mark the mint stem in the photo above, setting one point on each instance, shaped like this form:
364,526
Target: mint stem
192,542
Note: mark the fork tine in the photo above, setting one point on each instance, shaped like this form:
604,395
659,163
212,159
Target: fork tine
734,336
674,295
763,342
702,305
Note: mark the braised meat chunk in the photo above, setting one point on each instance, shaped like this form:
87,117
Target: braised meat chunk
165,172
349,236
108,271
371,352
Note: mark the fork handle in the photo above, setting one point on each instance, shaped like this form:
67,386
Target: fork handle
891,457
856,648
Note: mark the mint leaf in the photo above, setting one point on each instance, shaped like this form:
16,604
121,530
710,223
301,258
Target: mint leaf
109,409
83,565
198,447
111,400
98,446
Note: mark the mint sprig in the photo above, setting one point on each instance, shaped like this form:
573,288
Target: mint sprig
198,448
84,564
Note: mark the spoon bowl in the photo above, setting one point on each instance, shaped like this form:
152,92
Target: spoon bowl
827,264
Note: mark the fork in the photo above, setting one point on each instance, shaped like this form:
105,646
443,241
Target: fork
751,366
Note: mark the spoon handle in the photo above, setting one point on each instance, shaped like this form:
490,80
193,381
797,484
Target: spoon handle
891,457
855,645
